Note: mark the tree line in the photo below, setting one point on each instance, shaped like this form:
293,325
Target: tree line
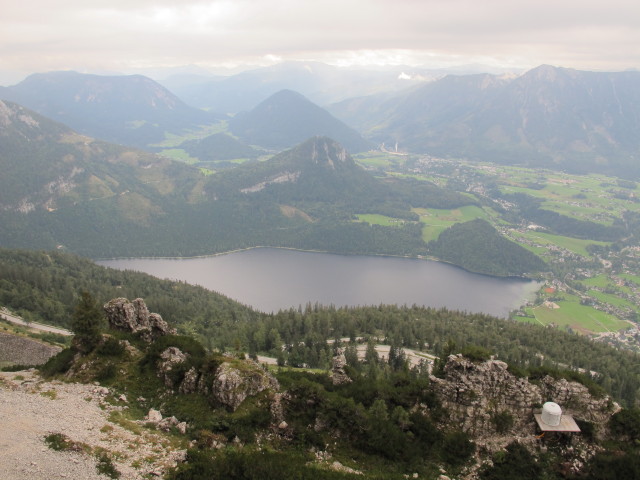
45,286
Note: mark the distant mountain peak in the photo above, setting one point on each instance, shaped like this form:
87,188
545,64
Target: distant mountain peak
287,118
128,109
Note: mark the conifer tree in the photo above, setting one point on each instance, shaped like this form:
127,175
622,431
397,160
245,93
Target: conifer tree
86,323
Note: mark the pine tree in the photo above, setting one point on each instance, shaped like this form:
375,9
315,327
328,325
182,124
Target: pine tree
86,323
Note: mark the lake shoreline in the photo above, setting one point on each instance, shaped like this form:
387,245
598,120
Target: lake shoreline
378,255
271,279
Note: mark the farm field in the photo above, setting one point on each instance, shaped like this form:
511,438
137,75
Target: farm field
574,245
570,314
592,197
437,220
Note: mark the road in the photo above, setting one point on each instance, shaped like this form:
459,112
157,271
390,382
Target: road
4,314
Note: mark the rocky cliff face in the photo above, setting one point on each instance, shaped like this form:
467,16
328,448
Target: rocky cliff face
134,317
477,395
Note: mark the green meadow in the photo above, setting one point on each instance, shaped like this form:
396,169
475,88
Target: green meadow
436,220
586,197
571,314
574,245
376,219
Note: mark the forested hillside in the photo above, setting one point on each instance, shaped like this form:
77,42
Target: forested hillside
45,286
478,247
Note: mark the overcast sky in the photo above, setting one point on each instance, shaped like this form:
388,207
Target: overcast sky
126,35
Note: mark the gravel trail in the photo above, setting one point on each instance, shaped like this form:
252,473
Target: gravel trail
31,408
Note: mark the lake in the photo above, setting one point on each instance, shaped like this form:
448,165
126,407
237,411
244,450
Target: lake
270,279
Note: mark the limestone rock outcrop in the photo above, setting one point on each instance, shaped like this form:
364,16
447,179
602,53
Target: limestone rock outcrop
134,317
338,374
230,383
475,394
169,359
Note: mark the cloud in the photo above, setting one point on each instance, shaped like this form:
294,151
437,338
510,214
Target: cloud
40,35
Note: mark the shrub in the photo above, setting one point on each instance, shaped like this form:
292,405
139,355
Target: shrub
457,448
106,467
58,442
626,423
57,364
604,466
503,421
262,465
476,353
15,368
106,373
514,464
111,347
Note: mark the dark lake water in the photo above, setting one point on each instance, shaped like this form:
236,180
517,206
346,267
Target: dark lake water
270,279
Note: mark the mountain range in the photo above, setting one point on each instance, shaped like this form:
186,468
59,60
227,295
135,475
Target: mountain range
130,110
548,117
321,83
61,189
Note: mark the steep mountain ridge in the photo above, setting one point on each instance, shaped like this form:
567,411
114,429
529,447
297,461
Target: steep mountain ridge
548,117
317,163
131,110
46,165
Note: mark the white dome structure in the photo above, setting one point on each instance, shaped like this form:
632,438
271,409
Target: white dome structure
551,414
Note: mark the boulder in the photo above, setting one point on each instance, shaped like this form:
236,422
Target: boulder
134,317
170,358
233,382
153,416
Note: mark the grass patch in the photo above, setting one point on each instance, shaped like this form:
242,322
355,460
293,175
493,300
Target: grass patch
600,281
119,418
52,394
178,155
611,299
376,219
580,318
541,240
631,278
173,140
436,220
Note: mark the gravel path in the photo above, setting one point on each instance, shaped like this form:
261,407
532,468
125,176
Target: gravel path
30,409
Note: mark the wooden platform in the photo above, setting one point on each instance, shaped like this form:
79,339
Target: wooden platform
567,424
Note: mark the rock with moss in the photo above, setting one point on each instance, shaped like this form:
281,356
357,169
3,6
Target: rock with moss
233,382
170,360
